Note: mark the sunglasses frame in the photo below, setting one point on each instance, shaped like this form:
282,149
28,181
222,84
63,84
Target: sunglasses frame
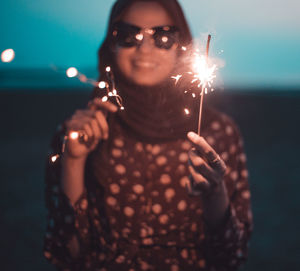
136,37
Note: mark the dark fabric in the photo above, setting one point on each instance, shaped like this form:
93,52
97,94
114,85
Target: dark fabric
135,213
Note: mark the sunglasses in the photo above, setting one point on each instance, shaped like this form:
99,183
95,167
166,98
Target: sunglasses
128,35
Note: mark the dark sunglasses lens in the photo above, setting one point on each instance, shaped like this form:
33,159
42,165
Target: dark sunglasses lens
164,40
125,35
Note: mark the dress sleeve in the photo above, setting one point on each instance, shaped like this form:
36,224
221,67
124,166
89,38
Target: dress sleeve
227,246
64,222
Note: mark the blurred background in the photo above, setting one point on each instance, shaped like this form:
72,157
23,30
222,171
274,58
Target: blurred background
259,43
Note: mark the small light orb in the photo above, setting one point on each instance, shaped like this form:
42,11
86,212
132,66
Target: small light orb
8,55
122,108
183,48
74,135
194,95
108,69
72,72
114,92
186,111
110,94
104,99
102,84
139,37
164,39
54,158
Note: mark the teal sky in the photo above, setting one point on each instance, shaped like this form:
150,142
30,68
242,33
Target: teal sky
260,39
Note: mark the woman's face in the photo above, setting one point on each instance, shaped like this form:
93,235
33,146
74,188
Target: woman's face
145,64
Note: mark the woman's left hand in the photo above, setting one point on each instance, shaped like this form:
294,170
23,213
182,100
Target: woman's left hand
206,167
207,171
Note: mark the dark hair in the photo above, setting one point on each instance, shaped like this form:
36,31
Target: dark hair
105,54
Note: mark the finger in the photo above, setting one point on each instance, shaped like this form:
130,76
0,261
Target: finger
189,188
203,168
102,123
200,183
88,130
97,103
208,152
96,129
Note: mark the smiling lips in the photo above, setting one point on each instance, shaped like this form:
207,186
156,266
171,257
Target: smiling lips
144,64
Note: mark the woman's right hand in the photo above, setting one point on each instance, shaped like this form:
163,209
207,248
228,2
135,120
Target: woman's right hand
92,122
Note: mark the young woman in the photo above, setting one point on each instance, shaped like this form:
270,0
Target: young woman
147,193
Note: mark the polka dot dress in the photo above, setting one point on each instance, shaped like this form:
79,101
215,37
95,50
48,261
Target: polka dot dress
136,214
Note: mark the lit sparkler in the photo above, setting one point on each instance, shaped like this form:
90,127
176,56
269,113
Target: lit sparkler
202,76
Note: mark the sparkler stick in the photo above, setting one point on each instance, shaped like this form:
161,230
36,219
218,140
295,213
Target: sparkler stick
202,88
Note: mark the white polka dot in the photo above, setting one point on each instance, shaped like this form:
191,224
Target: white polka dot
244,173
234,175
182,205
243,157
120,169
228,130
149,147
201,263
139,147
163,219
215,125
194,227
84,204
165,179
119,142
181,169
161,160
183,157
156,149
136,174
184,181
147,241
184,253
246,194
156,208
155,193
210,140
169,194
143,233
138,188
111,201
128,211
186,145
115,188
125,232
120,259
224,156
116,153
232,149
172,153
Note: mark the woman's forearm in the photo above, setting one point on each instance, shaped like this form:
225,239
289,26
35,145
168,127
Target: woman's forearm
72,177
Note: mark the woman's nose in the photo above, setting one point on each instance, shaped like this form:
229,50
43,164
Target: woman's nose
146,44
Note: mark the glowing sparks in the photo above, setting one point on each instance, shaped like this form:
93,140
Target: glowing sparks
204,74
177,78
7,55
186,111
72,72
